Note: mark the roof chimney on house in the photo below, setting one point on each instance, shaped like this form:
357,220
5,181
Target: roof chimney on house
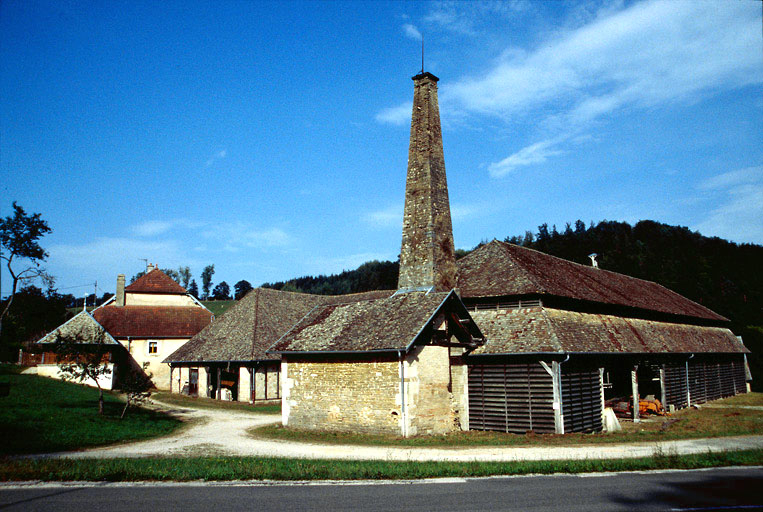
120,297
150,267
427,254
594,263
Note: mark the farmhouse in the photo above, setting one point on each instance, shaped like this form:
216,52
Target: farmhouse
507,338
148,320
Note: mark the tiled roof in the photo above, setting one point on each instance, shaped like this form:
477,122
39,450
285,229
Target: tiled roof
546,330
501,269
383,324
83,328
155,281
152,321
254,323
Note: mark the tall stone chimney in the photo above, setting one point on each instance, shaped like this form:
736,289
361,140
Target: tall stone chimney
427,255
120,297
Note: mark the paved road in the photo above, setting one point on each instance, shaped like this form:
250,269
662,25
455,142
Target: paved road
716,489
221,432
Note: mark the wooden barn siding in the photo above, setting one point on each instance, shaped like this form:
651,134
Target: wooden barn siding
511,398
709,379
581,400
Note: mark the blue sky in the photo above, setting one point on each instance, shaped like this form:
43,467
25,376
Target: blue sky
271,139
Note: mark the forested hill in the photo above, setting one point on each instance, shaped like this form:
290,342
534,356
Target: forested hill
722,275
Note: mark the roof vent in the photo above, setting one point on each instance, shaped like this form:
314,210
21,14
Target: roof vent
594,263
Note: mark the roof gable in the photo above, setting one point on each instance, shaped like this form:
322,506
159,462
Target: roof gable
155,281
501,269
82,328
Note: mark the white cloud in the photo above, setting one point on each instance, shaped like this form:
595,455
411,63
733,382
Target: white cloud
398,115
740,216
411,31
649,53
392,216
239,234
219,155
152,227
534,154
462,211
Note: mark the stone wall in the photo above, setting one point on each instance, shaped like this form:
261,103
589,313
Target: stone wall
345,396
267,379
364,396
459,374
429,403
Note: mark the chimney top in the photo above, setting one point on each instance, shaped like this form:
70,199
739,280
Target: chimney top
150,267
426,74
594,263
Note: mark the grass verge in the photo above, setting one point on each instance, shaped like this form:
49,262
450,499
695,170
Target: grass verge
256,468
47,415
684,424
209,403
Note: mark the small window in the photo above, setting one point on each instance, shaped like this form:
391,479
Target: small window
153,347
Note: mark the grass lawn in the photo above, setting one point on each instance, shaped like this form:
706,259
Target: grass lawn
210,403
258,468
218,307
684,424
47,415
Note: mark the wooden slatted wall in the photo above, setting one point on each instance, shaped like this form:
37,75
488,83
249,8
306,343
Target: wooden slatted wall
675,385
581,400
711,380
511,398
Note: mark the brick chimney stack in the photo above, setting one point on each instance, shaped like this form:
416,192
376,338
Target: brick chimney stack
120,297
427,255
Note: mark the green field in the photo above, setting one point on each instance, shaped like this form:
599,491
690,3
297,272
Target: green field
47,415
218,307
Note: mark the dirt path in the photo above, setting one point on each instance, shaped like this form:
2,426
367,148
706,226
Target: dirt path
218,432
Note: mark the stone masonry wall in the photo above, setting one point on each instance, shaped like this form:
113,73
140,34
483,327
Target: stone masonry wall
430,407
460,386
267,372
342,396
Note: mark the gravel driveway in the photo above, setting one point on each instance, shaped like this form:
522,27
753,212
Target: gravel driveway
221,432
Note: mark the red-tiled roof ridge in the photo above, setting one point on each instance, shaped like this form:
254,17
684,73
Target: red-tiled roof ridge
502,269
156,281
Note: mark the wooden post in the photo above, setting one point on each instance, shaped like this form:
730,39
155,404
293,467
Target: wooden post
688,393
172,369
663,392
219,386
278,381
634,390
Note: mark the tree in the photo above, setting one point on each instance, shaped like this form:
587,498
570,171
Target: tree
206,279
185,276
83,359
221,291
19,235
136,386
193,289
242,288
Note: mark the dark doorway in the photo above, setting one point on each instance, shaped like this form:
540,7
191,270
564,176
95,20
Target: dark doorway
193,382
